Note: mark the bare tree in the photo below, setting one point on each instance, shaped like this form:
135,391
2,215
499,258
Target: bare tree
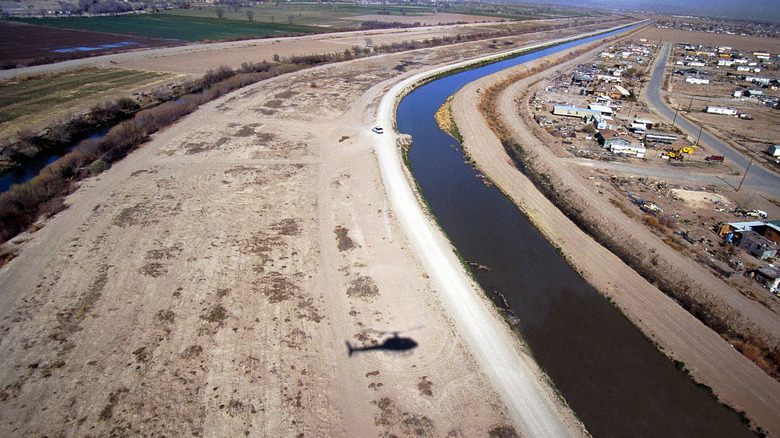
250,14
220,12
290,18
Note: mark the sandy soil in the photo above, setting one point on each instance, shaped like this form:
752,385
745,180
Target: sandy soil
738,42
207,284
429,19
734,379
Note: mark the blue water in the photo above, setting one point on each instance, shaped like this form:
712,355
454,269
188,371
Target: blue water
617,383
31,168
89,49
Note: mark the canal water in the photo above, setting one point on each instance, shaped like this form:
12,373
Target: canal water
30,168
614,379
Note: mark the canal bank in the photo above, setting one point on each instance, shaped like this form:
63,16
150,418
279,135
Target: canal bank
671,410
734,379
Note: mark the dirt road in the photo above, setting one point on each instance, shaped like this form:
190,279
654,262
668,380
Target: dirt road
528,394
734,379
206,285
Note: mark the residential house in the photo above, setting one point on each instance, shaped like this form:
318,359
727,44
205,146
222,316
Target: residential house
571,111
619,145
721,110
758,245
769,276
602,109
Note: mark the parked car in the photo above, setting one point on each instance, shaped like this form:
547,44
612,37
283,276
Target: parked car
377,129
716,158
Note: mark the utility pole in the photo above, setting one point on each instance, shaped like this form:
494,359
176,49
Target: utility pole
675,115
697,138
689,104
746,171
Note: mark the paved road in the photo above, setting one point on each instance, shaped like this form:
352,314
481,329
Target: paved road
758,177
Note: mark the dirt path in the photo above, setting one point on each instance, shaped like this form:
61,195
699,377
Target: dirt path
734,379
206,285
521,383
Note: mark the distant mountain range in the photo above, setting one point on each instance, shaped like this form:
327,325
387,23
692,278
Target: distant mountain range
759,10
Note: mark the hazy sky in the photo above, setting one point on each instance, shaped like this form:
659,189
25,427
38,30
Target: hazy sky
765,10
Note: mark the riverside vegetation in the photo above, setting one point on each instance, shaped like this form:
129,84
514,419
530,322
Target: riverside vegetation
43,195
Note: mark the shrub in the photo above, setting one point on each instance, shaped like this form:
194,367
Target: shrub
650,220
98,166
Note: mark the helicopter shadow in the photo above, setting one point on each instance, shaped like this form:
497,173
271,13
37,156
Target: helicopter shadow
395,343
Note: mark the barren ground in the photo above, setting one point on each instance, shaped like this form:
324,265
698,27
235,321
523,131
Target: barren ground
207,283
711,360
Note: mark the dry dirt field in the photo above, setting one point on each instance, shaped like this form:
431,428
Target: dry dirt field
734,379
26,44
429,19
206,284
738,42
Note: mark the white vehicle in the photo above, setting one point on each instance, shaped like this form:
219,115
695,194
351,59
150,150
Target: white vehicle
756,213
377,129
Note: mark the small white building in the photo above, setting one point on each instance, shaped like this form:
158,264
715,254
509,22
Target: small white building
697,81
721,110
597,120
609,78
759,81
726,62
773,150
571,111
603,109
648,123
628,149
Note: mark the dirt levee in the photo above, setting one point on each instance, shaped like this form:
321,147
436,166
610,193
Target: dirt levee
733,377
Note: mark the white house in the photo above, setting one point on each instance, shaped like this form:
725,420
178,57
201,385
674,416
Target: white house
597,120
759,81
603,109
628,149
609,78
697,81
721,110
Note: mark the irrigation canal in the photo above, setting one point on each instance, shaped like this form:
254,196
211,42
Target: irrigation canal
614,379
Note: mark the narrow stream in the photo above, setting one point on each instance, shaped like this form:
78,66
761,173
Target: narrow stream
614,379
32,167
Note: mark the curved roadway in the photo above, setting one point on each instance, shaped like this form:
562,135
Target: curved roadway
758,177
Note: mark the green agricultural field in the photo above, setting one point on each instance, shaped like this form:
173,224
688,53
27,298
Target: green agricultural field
176,27
324,17
517,11
203,24
33,102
